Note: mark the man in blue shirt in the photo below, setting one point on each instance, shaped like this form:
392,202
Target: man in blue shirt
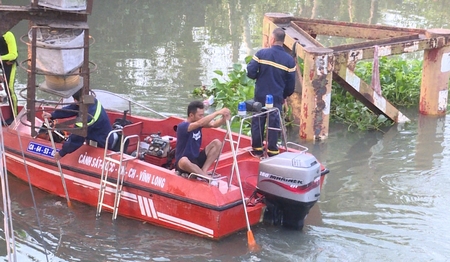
98,123
274,71
188,157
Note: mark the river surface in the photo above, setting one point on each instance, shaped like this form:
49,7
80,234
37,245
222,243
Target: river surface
387,195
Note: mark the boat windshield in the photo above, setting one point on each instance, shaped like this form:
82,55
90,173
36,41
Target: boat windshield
115,102
21,123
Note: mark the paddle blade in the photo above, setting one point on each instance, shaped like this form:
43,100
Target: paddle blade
69,204
252,246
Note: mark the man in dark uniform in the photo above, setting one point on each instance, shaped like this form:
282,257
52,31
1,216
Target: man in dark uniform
274,71
98,125
8,52
188,157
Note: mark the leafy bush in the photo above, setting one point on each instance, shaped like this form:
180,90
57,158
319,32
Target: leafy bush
229,92
346,109
399,79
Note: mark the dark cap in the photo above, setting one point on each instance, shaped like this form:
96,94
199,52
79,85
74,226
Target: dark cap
78,94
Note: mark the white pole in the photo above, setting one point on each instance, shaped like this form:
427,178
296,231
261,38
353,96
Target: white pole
8,224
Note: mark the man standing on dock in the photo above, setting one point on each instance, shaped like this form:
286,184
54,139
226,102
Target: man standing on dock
274,71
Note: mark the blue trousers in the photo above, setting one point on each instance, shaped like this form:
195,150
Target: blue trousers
258,134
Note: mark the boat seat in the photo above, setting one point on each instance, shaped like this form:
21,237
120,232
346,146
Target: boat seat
132,129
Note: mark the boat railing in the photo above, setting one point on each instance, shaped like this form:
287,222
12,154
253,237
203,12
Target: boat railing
130,102
282,127
235,143
297,146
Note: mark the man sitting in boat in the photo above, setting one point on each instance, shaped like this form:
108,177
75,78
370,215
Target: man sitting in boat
188,157
98,125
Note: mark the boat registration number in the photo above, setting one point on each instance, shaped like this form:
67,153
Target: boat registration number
41,149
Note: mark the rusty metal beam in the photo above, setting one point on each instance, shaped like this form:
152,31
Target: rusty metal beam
301,36
316,93
352,30
12,15
89,6
353,53
366,95
435,77
379,42
31,84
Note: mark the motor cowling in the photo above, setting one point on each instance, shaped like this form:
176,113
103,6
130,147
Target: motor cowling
290,183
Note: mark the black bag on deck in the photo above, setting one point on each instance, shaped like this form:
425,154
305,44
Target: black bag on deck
121,122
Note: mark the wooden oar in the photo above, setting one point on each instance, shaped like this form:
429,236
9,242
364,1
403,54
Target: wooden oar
250,239
69,204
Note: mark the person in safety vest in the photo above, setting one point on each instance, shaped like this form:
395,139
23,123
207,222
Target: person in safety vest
274,71
188,157
98,125
8,64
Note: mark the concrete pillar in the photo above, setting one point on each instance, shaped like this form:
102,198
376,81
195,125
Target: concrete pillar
435,74
316,93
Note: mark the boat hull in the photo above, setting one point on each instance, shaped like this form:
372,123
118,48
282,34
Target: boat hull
151,192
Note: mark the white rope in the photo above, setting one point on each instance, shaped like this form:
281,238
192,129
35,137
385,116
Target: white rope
29,185
7,218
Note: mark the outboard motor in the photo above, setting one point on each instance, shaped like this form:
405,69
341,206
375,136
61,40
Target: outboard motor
290,183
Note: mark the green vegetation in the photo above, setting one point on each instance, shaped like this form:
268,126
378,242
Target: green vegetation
399,79
237,88
229,92
346,109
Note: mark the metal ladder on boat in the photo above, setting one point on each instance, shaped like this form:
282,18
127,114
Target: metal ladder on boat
109,162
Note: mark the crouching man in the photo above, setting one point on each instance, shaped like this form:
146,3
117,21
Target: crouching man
188,157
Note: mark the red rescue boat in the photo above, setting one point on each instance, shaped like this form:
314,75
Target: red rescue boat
142,184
